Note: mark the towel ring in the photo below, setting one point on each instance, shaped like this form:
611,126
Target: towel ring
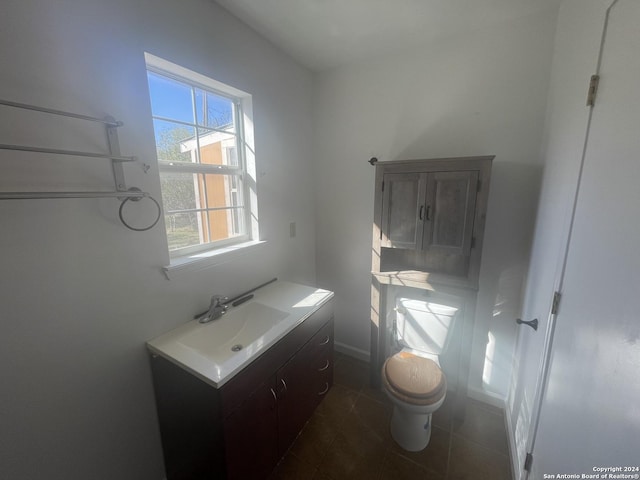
136,199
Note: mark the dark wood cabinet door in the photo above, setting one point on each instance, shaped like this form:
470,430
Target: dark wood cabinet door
251,435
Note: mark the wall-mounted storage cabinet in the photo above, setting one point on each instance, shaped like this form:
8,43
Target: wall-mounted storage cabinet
429,217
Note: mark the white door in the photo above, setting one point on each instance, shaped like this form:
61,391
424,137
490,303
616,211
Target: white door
590,413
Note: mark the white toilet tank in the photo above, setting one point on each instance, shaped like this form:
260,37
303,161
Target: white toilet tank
424,325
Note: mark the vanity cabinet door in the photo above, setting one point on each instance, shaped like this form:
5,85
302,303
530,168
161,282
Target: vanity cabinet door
251,435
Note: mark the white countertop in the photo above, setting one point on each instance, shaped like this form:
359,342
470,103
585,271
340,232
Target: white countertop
205,349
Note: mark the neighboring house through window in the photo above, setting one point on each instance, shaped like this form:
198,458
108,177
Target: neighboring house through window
205,159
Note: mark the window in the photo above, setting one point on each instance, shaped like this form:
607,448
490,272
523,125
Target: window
203,158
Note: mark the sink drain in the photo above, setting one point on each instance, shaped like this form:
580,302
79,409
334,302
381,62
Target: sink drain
236,348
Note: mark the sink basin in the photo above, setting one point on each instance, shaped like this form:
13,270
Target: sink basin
216,351
238,329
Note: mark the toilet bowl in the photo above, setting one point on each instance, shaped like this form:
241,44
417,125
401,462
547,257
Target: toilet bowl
412,378
417,387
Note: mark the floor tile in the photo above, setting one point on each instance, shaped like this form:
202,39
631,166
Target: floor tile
442,417
484,424
353,458
435,456
369,419
348,437
351,373
396,467
315,439
470,461
292,468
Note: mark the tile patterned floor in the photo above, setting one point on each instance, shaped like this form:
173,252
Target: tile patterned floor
348,438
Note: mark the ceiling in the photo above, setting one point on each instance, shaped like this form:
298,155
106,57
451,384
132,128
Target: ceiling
324,34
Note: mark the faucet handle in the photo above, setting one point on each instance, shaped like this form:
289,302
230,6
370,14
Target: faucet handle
218,300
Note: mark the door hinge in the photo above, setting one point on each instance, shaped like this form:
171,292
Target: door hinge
527,462
555,302
593,90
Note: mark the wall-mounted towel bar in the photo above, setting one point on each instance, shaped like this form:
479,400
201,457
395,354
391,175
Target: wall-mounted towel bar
24,106
120,192
55,151
49,195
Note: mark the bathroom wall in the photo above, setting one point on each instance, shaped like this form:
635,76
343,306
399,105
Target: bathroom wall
481,93
79,293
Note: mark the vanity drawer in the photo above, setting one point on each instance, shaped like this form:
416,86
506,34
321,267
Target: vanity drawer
245,382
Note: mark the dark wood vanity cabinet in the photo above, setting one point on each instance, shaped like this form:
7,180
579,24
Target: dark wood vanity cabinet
242,429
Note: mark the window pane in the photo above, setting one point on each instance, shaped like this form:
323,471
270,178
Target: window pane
214,147
170,99
182,230
213,110
225,224
219,191
175,143
178,191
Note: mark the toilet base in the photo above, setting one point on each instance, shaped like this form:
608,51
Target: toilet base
410,430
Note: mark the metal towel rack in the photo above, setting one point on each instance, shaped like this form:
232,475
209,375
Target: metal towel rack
120,191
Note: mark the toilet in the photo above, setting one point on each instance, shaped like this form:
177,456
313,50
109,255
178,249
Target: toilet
412,377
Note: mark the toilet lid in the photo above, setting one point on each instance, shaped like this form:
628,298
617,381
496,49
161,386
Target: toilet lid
414,379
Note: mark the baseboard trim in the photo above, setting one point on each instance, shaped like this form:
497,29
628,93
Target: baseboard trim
486,397
511,441
352,351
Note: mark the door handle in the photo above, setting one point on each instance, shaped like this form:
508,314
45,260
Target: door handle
532,323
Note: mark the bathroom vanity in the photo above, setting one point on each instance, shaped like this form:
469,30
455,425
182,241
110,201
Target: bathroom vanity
232,395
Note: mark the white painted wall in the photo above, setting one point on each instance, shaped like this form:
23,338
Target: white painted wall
478,94
79,293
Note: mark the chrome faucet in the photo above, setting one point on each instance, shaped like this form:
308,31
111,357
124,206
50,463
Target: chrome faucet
217,308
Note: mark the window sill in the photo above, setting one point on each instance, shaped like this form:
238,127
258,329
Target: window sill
203,260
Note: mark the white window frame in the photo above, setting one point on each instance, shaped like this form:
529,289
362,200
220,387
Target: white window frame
246,162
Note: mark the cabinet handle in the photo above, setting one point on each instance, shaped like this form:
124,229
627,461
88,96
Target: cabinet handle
420,212
326,389
325,341
284,384
428,215
322,369
275,397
